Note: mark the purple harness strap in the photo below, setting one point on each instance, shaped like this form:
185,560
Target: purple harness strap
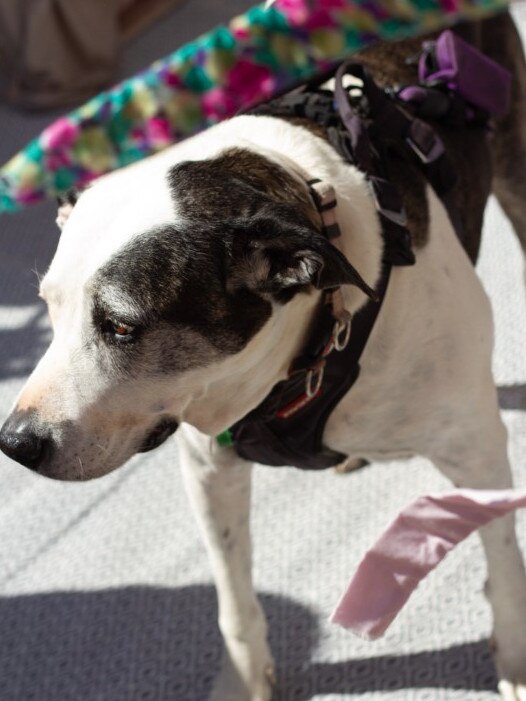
451,64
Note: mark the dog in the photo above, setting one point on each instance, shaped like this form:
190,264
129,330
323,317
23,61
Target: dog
183,287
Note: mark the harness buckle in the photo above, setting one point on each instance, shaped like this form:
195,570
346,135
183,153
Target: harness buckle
387,200
314,379
424,141
399,218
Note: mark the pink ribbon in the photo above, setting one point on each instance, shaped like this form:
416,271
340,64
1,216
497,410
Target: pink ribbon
412,546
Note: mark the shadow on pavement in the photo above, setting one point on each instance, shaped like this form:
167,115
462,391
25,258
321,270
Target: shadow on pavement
512,397
22,347
155,644
29,240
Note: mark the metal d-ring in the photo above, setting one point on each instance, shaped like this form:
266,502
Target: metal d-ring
314,379
342,332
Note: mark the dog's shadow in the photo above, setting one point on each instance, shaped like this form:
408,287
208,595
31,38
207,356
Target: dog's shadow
154,644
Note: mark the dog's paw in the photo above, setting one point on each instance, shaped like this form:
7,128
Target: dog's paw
512,692
510,661
232,685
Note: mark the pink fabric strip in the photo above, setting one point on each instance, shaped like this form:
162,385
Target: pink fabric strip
413,545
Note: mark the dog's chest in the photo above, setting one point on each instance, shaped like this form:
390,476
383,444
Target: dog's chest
432,336
378,416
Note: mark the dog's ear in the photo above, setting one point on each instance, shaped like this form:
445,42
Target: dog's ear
66,203
296,258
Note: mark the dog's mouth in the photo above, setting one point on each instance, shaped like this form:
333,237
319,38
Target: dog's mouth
158,435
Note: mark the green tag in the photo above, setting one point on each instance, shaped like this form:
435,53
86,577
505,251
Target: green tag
225,439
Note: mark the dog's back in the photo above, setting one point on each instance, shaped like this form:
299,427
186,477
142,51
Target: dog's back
498,161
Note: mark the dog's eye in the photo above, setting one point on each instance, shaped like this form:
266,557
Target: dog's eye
119,330
122,329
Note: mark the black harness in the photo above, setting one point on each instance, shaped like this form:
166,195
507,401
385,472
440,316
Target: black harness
364,125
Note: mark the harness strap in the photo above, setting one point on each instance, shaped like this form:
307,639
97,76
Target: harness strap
300,405
367,125
281,430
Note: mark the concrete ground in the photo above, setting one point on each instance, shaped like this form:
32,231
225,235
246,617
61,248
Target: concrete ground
105,591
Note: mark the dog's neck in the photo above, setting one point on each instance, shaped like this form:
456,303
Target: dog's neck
229,390
233,387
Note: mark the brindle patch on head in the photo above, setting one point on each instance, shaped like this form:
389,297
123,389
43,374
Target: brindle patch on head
227,186
170,284
267,221
199,289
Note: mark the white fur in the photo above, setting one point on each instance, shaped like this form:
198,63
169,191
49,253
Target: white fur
425,388
425,385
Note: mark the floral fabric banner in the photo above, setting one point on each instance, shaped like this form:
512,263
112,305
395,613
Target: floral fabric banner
258,54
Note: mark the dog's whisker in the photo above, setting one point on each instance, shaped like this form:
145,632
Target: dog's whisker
81,466
39,275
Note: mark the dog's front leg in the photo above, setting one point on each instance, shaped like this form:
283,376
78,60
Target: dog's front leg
479,460
218,483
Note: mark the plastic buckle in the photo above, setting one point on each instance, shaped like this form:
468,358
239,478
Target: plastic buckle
387,201
424,141
399,218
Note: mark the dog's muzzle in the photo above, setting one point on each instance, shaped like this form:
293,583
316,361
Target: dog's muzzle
158,435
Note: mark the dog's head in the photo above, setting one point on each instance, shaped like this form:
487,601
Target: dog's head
166,281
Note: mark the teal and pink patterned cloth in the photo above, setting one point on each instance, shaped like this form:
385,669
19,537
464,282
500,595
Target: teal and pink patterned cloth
258,54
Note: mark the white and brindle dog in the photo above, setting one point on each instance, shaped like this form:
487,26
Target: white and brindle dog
183,287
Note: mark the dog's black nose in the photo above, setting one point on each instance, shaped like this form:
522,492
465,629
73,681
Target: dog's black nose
22,440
